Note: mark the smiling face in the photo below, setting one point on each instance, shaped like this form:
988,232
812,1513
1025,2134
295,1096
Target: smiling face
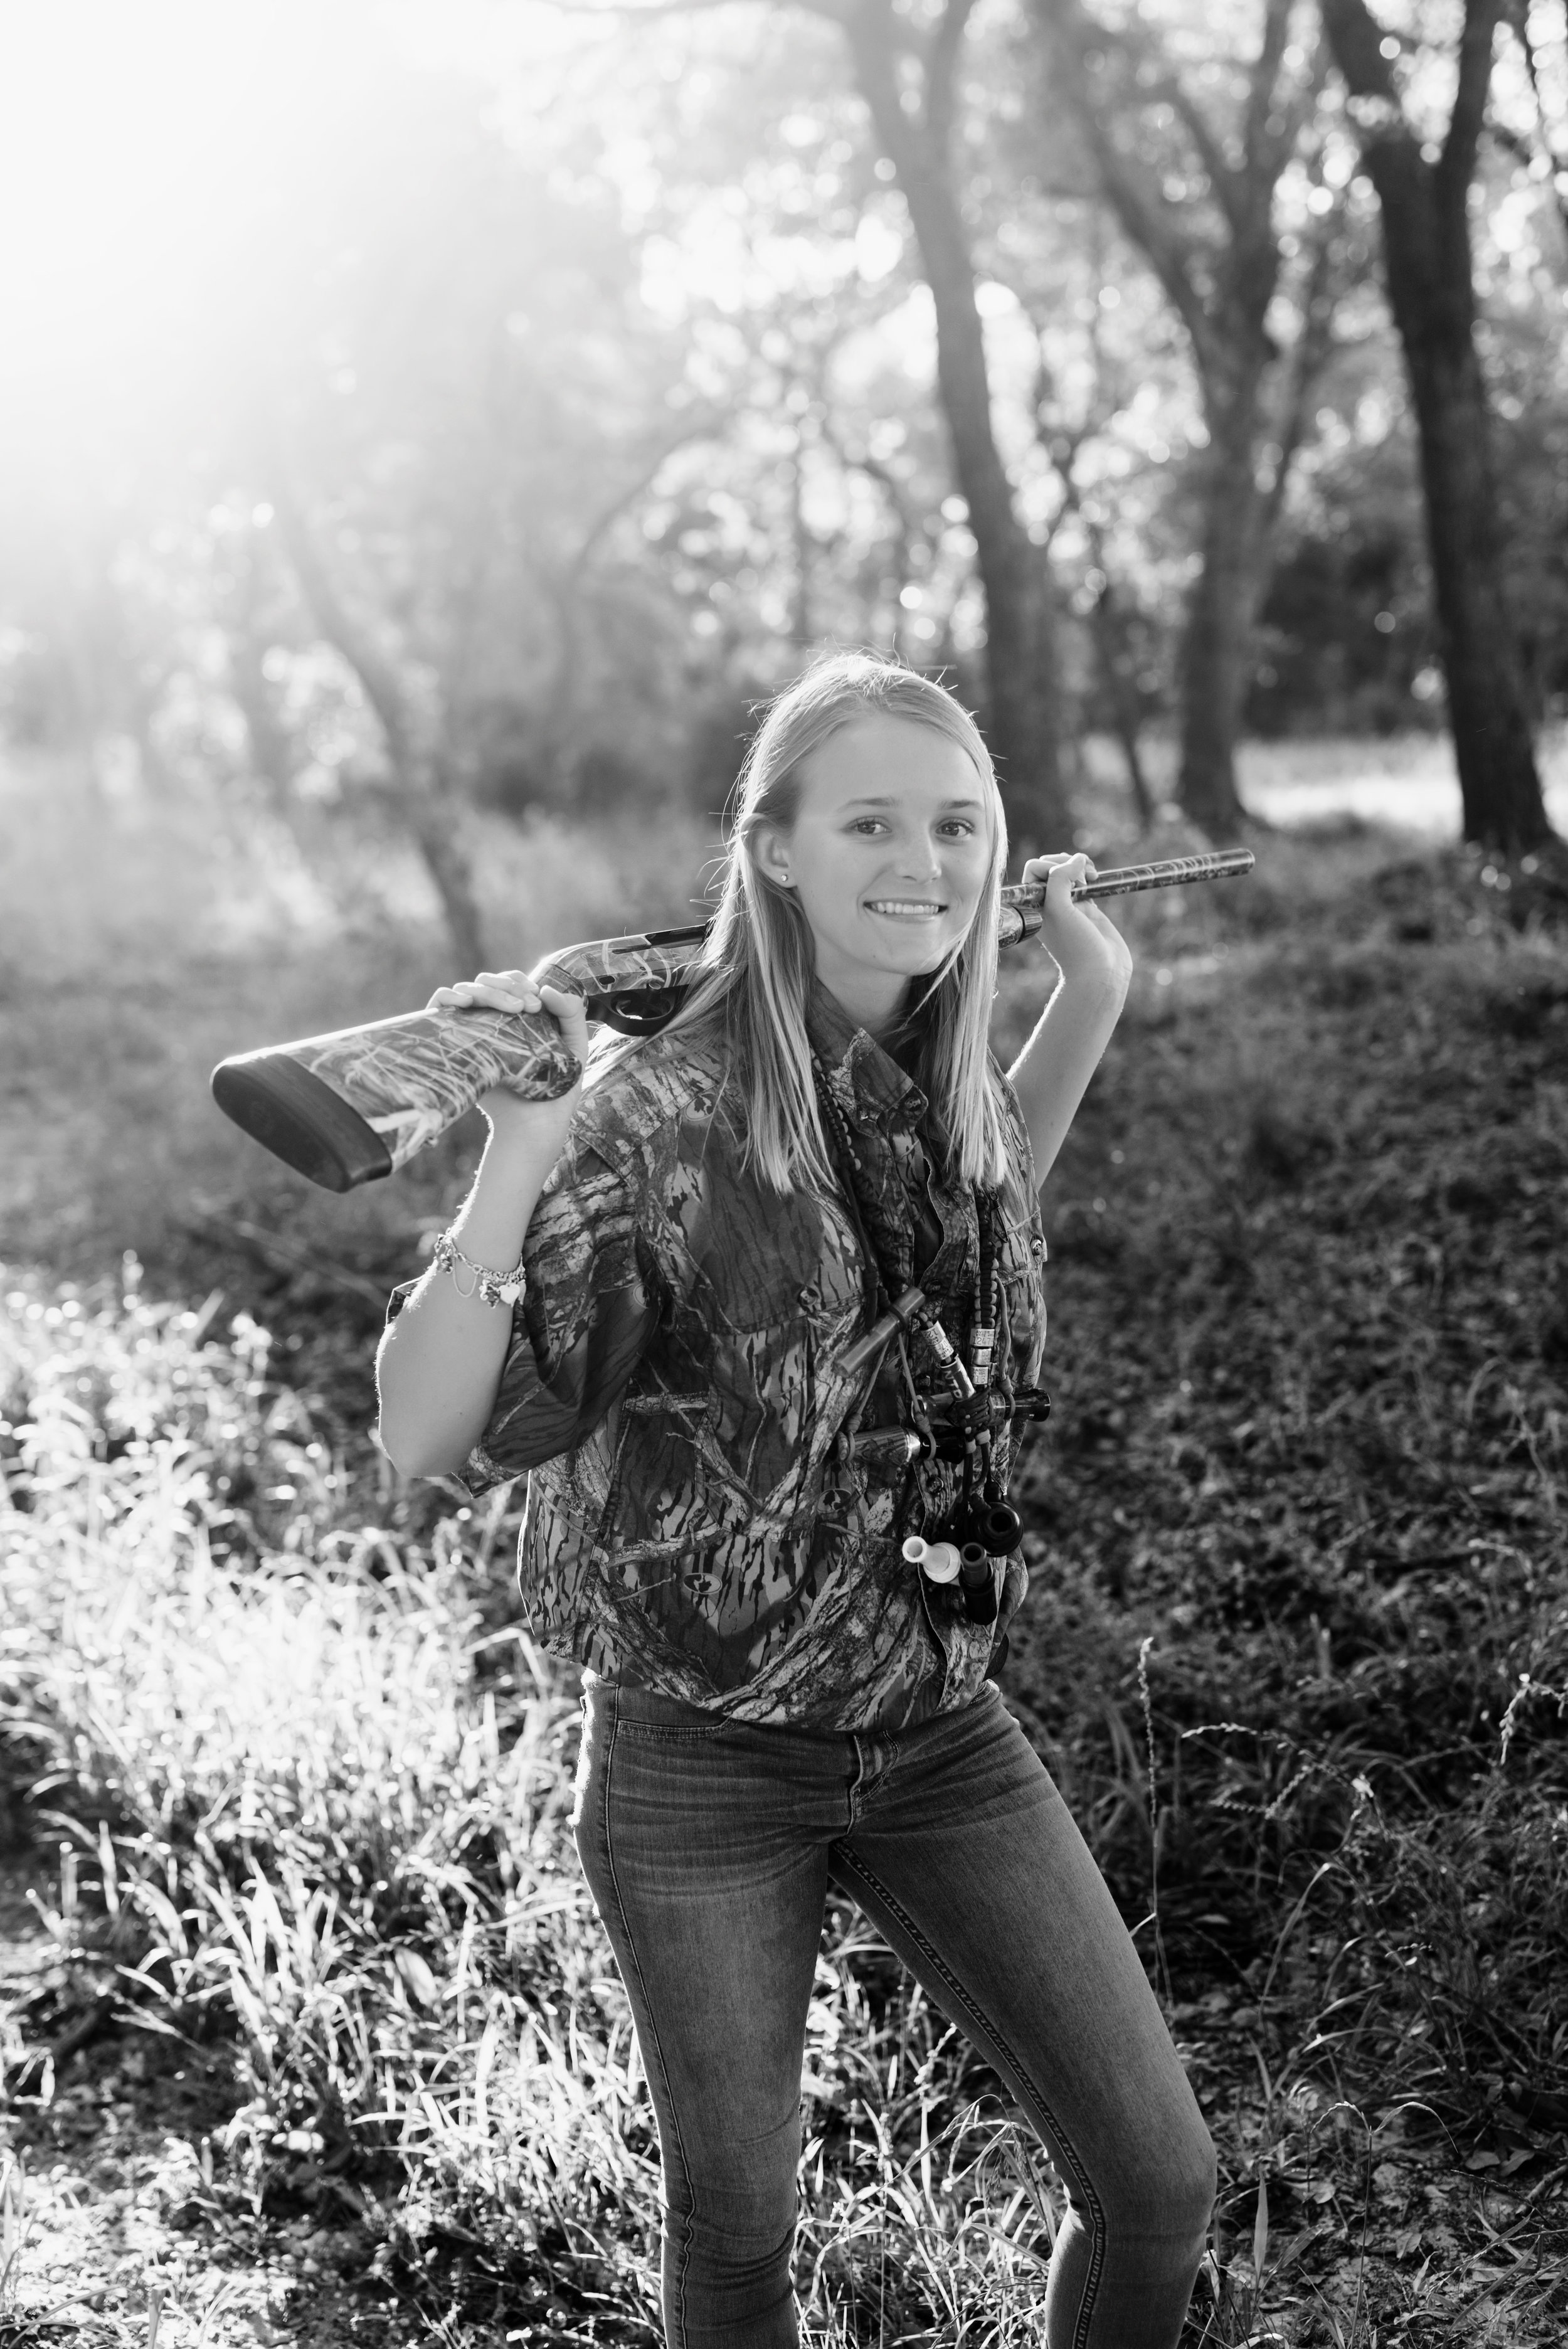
889,855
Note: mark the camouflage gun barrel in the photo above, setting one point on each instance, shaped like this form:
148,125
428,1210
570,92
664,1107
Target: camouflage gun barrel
1021,905
352,1106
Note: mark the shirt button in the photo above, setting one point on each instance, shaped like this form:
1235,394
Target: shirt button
811,1297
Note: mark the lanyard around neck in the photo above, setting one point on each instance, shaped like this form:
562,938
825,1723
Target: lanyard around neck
883,1285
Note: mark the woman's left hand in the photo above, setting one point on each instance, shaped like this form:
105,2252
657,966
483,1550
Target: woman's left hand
1081,940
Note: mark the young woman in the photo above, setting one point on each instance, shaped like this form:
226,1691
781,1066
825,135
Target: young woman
652,1300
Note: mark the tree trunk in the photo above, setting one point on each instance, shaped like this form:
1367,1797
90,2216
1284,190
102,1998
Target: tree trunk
1500,784
271,753
1021,669
1429,272
1118,668
1221,282
429,806
431,814
1217,647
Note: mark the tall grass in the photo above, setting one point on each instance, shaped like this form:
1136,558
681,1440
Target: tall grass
1296,1651
305,1800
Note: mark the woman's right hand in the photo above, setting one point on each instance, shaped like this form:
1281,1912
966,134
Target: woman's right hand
441,1360
536,1124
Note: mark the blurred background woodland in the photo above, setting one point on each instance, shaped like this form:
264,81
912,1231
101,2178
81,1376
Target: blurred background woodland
427,430
420,417
424,432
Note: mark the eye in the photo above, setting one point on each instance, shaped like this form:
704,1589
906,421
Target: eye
868,824
959,824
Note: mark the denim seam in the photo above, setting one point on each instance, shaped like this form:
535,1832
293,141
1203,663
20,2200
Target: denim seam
683,2259
848,1860
666,1734
868,1776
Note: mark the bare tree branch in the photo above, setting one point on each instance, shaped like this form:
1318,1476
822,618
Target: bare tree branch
1356,37
1020,638
421,773
941,64
1259,151
1219,281
622,9
1148,219
1221,173
1309,355
1517,15
1476,41
358,649
706,424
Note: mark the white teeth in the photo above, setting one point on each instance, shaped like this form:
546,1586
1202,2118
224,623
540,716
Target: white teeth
902,905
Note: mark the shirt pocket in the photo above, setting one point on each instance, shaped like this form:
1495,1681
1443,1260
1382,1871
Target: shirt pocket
770,1383
668,1484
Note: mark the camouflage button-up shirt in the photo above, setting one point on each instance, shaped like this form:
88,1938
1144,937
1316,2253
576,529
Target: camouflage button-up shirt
676,1387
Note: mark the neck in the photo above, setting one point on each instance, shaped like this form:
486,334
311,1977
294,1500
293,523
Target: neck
875,1001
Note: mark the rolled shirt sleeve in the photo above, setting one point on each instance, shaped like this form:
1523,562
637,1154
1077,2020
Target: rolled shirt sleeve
589,1309
589,1306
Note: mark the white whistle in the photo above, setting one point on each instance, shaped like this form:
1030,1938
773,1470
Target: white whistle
938,1561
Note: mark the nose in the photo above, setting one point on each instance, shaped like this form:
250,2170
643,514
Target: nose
919,860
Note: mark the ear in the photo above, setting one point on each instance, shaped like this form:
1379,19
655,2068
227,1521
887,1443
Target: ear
773,855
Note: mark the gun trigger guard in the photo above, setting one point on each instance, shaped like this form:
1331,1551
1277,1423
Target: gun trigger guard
637,1011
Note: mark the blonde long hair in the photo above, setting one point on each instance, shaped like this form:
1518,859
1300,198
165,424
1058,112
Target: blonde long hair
758,960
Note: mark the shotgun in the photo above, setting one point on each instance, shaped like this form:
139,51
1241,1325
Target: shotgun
355,1105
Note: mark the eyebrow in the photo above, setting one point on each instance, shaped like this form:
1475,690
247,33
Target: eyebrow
891,800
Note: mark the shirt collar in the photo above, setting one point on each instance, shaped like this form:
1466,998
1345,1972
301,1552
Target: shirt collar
872,1078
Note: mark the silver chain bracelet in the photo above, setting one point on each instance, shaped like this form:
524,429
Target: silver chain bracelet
494,1288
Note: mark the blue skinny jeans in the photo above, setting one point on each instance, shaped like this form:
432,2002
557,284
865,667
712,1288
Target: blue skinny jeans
709,1846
